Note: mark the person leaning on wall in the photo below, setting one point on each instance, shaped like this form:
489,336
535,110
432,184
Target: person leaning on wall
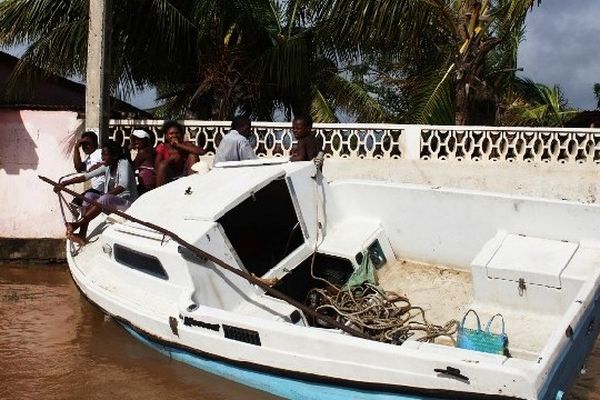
174,157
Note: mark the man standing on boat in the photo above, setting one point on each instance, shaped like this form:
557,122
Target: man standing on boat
235,145
307,146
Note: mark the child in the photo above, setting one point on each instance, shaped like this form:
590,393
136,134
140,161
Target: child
119,189
144,160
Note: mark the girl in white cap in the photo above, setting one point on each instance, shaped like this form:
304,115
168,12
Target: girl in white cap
144,160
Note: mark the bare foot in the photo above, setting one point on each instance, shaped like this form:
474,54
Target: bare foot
71,226
75,238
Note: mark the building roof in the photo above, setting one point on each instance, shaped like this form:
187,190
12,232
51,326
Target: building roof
57,93
585,119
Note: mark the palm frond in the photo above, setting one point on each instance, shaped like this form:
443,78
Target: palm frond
353,98
436,104
320,110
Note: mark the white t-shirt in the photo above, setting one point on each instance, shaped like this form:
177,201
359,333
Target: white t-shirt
91,160
234,147
123,176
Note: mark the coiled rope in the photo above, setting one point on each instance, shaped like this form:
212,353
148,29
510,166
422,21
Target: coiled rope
384,316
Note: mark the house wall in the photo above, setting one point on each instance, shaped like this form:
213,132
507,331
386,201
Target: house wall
32,143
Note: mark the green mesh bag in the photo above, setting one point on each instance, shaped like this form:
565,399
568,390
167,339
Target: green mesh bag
364,273
482,340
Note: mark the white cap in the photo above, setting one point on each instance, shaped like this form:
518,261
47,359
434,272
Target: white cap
141,134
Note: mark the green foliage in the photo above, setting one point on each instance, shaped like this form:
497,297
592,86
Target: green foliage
477,40
436,106
375,60
536,104
207,58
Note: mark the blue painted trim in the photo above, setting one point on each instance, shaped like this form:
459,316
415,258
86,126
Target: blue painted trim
565,371
288,388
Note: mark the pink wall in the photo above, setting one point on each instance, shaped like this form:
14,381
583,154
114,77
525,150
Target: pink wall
33,143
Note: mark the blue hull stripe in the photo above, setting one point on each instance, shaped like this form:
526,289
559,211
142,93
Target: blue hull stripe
288,388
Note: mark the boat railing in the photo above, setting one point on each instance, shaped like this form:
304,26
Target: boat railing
398,141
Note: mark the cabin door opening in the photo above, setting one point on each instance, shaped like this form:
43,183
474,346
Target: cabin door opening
264,228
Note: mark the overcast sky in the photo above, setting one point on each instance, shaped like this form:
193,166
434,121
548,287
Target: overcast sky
562,47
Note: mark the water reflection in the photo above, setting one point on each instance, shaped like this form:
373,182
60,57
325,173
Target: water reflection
55,345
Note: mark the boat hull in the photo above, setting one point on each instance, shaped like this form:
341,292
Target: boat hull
278,385
198,314
294,385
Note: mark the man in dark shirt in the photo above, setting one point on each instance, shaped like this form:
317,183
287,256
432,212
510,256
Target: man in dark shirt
307,146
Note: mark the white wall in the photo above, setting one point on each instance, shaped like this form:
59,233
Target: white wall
33,143
577,182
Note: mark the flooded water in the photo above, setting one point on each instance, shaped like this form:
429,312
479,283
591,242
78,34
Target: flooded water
56,345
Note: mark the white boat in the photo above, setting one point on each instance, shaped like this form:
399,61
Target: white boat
534,261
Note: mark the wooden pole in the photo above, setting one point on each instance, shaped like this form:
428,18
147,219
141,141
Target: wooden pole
202,254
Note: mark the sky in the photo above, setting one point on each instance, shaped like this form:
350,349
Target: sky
562,46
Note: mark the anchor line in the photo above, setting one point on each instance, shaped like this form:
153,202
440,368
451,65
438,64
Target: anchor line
202,254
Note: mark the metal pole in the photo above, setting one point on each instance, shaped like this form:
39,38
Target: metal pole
96,99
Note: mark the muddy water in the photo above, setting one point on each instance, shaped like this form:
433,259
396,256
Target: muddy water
55,345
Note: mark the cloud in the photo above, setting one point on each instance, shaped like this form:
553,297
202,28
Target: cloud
562,48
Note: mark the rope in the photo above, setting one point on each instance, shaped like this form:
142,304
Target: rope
383,316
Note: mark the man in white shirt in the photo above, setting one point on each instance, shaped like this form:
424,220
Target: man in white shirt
89,144
235,145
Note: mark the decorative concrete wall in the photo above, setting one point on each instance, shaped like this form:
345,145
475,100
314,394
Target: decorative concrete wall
408,142
560,163
33,143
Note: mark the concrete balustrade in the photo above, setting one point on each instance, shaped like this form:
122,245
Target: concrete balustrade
559,163
407,142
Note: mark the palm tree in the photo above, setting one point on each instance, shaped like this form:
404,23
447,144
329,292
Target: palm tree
144,49
537,104
451,53
210,58
597,94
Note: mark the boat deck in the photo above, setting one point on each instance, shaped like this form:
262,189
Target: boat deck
446,293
